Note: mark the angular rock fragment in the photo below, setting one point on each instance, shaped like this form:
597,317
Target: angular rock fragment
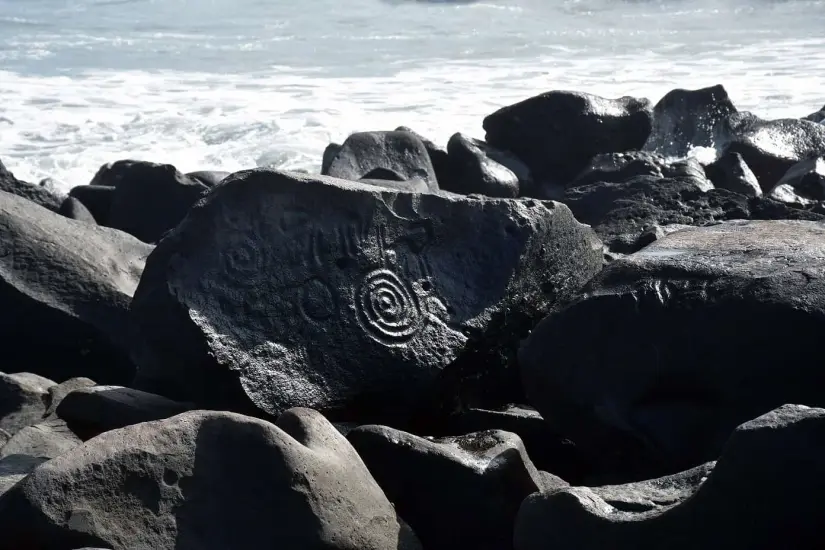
13,469
206,480
621,167
818,116
65,289
762,494
281,290
96,198
803,184
401,152
23,400
693,335
557,133
475,171
35,193
731,172
458,492
686,119
76,210
48,439
59,392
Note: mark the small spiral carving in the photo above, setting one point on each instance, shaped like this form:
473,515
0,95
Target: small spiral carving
388,308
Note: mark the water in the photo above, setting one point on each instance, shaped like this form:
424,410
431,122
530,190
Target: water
232,84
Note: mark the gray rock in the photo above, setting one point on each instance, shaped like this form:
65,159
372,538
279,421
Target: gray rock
686,119
76,210
184,483
59,392
818,116
803,184
762,494
474,171
35,193
281,290
48,439
330,152
4,437
90,411
557,133
209,178
66,287
682,356
731,172
459,492
150,199
96,198
13,469
622,167
772,147
23,400
401,152
438,156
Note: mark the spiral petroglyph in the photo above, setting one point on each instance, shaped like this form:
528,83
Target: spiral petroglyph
388,308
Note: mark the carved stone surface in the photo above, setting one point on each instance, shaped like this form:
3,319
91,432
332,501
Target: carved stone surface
312,291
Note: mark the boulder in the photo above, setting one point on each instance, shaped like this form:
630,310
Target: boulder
23,400
66,287
330,152
182,483
557,133
818,116
280,290
59,392
621,167
750,500
459,492
209,178
683,356
474,171
14,468
686,119
90,411
75,210
150,199
771,147
48,439
438,156
401,152
731,172
803,184
35,193
96,198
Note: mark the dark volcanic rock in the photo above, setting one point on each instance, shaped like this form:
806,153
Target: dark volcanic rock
14,468
97,199
48,439
65,287
150,199
209,178
330,152
818,116
621,167
731,172
685,119
23,400
557,133
772,147
763,494
460,492
90,411
59,392
475,172
35,193
802,184
683,356
401,152
76,210
438,156
281,290
206,480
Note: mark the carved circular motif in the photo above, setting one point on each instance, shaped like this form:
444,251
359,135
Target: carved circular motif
387,307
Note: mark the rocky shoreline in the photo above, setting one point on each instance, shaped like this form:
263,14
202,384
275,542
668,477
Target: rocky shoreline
597,328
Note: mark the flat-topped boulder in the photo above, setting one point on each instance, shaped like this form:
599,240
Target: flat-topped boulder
280,290
696,333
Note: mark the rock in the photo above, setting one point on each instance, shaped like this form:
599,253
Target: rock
384,177
438,156
90,411
14,469
150,199
461,492
686,119
818,116
557,133
731,172
751,499
97,199
4,437
182,483
803,184
772,147
401,152
682,356
330,152
621,167
58,392
75,210
546,448
69,285
48,439
281,290
209,178
23,400
34,193
475,172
